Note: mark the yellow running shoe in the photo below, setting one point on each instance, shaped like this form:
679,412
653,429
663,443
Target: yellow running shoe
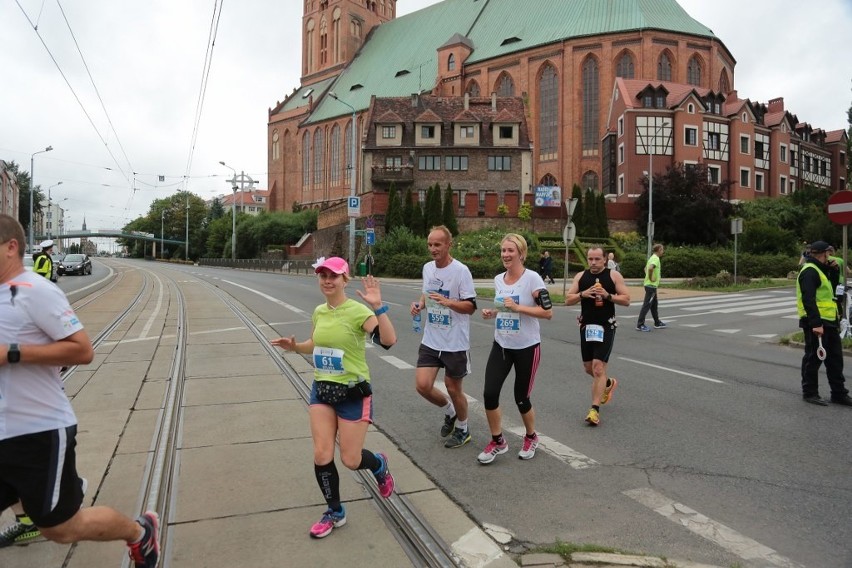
593,418
607,393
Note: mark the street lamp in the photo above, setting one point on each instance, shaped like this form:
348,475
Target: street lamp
650,152
233,213
162,219
49,211
351,181
32,190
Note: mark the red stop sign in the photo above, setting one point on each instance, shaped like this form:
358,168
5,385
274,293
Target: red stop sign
840,207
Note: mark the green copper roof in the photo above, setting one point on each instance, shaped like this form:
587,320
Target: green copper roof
547,21
399,57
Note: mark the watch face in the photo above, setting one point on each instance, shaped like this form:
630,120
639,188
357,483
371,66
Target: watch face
13,355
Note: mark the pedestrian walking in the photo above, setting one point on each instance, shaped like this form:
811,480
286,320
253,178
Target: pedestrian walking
341,401
548,268
597,290
818,318
520,300
611,263
39,332
449,298
652,282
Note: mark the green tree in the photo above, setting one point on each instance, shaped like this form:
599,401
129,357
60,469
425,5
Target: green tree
600,216
849,148
434,211
578,218
450,211
418,223
688,209
393,218
589,216
216,210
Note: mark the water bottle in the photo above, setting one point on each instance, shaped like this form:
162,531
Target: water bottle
415,321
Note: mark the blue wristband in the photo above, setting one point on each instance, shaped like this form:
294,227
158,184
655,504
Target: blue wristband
381,310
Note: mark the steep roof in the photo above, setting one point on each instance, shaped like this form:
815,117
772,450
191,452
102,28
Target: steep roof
399,57
446,110
834,136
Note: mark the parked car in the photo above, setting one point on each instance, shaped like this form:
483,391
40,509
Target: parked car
76,264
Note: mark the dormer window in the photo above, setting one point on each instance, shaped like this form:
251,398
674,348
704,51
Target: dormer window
427,132
506,132
389,132
466,131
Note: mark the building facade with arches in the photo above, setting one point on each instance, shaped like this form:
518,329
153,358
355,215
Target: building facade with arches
560,59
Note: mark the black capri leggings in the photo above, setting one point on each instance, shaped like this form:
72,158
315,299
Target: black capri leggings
500,362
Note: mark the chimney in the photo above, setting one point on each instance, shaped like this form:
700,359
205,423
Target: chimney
415,99
493,102
466,101
776,105
732,96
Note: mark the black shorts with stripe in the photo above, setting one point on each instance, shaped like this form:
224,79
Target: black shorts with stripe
40,470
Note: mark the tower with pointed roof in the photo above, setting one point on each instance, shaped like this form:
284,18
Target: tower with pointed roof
334,30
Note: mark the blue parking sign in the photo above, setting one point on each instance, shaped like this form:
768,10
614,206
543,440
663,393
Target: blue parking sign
371,237
354,206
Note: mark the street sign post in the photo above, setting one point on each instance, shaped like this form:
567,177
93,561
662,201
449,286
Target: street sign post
736,229
840,212
569,233
354,206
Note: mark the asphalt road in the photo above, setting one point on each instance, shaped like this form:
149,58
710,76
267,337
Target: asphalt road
706,452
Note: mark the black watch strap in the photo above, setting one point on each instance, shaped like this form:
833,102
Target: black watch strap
13,355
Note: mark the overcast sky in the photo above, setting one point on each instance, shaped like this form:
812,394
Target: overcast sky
147,58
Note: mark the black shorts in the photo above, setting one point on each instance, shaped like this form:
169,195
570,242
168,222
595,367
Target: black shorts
599,350
455,363
40,471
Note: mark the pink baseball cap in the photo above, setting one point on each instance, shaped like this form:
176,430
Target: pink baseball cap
334,263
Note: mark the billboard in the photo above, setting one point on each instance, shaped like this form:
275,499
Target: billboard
548,196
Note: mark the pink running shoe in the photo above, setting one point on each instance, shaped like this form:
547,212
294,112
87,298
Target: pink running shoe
384,479
330,520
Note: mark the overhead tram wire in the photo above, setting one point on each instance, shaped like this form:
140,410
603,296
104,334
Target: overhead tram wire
73,92
205,73
94,86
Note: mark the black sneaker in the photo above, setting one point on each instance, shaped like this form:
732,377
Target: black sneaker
458,439
449,425
144,554
815,399
844,400
18,533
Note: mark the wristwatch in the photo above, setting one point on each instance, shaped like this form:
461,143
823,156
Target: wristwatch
13,355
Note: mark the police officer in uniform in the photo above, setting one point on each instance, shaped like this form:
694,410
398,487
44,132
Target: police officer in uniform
43,262
818,318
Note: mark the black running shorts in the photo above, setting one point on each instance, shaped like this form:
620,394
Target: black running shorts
40,471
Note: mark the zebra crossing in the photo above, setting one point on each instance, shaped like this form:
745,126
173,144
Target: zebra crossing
730,313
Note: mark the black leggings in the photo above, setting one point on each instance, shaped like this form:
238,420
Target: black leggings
500,362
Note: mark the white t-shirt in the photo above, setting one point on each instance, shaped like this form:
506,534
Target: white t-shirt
513,330
446,329
32,397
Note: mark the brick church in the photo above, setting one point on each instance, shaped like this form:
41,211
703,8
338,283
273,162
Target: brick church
511,106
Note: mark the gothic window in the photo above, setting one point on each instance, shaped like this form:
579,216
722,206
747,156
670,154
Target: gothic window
548,97
473,89
347,147
319,156
276,147
505,86
336,56
451,62
724,83
548,181
306,159
309,45
323,42
693,72
590,181
591,100
624,67
334,165
664,68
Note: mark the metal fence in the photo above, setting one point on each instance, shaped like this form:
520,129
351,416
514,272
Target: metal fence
261,265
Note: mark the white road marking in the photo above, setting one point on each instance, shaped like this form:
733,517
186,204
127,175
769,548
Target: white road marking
788,309
669,369
270,298
749,550
691,324
156,311
396,362
730,331
765,335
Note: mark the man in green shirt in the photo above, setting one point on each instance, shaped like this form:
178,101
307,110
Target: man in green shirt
652,281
